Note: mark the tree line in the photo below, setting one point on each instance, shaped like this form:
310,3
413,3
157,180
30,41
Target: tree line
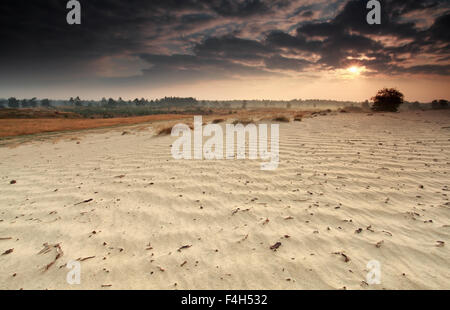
15,103
385,100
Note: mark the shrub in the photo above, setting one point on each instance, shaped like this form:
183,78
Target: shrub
165,131
243,122
281,119
387,100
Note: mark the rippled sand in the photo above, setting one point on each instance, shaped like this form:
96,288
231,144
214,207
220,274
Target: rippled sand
345,183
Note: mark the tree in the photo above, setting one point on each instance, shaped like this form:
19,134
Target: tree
439,105
365,105
46,103
387,100
33,102
414,105
121,102
443,104
13,103
111,103
78,102
24,103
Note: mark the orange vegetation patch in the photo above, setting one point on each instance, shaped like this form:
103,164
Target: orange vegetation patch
19,127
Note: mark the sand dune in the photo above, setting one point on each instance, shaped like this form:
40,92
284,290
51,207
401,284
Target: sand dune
137,218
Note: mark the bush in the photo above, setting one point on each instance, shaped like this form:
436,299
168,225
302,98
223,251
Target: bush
244,122
281,119
387,100
165,131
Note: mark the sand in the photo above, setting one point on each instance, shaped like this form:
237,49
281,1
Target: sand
138,219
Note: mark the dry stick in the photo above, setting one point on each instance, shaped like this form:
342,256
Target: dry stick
86,258
59,254
86,201
8,252
184,247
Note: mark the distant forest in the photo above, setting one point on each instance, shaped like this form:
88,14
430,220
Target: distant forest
165,102
114,107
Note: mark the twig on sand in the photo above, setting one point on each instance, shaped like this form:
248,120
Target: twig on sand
47,248
7,238
86,258
275,246
8,252
440,244
387,233
346,258
184,247
86,201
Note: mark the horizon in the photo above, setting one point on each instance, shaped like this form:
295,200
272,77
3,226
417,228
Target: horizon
211,100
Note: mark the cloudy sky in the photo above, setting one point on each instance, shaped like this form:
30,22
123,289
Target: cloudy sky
224,49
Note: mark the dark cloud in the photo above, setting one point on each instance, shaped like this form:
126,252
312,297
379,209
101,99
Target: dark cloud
195,39
348,36
230,47
283,63
441,29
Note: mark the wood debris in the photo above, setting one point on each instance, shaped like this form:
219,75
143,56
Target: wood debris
8,252
49,247
275,246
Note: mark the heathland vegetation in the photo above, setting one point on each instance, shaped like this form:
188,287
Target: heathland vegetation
385,100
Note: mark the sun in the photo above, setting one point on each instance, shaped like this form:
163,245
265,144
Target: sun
352,72
355,70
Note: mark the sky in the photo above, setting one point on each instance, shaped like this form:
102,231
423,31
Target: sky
224,49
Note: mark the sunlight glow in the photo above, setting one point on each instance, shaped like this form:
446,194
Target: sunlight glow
355,70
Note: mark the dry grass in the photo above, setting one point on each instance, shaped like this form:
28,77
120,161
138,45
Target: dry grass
20,127
36,113
298,118
244,122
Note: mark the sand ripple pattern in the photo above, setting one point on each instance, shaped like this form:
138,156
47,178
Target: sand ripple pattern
345,183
